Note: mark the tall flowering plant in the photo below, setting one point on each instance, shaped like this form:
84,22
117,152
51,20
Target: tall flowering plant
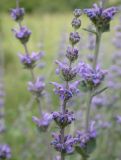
63,142
93,76
29,61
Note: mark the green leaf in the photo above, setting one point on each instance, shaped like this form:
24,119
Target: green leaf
81,151
105,28
88,30
91,145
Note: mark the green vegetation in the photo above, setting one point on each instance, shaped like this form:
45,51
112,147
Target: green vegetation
50,5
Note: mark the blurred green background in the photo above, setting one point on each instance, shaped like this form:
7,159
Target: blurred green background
50,5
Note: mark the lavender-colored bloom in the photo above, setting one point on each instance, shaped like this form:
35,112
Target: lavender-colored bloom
76,23
66,94
118,119
91,78
22,34
74,38
72,53
68,73
43,122
66,147
82,138
74,87
17,14
37,87
77,13
101,17
29,61
63,93
5,152
63,119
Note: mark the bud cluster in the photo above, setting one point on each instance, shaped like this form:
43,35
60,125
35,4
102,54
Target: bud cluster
101,17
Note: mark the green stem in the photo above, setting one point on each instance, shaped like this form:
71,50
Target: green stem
96,54
88,111
97,47
63,130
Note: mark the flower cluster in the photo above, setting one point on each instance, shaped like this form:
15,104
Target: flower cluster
66,94
63,120
17,14
43,122
5,152
72,53
68,73
101,17
23,34
29,61
91,78
62,143
67,147
37,87
83,140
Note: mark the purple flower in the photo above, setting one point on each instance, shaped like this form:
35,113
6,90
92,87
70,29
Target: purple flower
82,138
77,13
72,53
74,87
74,38
66,147
91,78
118,119
66,94
22,34
101,17
36,87
43,122
17,14
29,61
63,119
63,93
76,23
5,152
68,73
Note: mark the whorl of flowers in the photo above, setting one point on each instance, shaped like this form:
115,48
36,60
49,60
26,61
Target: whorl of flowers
101,17
43,122
64,144
66,147
86,140
91,78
